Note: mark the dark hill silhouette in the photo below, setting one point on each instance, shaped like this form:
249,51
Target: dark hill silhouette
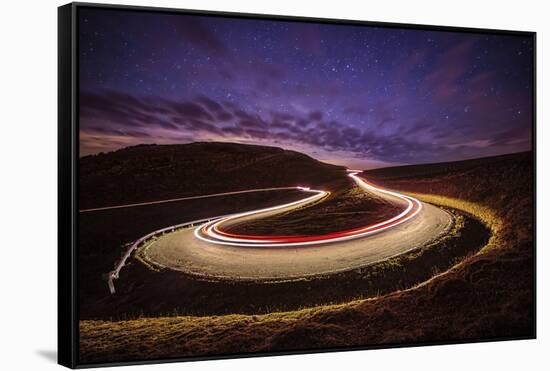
154,172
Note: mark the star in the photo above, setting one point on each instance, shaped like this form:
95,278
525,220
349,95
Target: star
412,77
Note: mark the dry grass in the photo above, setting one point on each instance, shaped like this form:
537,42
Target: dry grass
349,207
487,295
485,214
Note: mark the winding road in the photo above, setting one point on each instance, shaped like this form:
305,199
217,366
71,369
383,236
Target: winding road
210,251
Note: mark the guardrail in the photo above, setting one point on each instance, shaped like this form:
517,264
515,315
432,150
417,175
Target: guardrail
114,274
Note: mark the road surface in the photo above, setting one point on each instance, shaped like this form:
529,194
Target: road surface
210,251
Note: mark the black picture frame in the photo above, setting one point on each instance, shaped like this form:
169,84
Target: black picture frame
68,172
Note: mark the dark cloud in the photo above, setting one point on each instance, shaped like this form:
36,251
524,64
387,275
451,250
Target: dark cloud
106,130
195,125
120,115
193,30
117,132
119,108
210,104
224,116
250,123
364,92
280,125
315,115
167,125
510,136
283,116
257,133
450,66
189,109
233,130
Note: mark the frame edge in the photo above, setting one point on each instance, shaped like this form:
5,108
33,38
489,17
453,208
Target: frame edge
66,314
67,121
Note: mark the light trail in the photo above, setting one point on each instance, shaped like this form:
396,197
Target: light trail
189,198
114,274
212,231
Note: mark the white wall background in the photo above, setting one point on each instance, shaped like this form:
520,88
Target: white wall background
28,182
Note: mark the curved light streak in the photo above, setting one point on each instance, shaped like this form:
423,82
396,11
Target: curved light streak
211,232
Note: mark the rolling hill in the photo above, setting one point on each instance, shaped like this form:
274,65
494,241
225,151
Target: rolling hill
486,295
154,172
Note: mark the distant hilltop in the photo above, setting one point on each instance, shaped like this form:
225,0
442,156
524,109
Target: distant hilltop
154,172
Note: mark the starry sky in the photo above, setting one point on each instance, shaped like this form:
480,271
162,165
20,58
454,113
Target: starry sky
351,95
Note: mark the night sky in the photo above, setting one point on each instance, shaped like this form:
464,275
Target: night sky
359,96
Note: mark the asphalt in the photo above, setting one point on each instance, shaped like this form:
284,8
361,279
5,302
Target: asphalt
183,251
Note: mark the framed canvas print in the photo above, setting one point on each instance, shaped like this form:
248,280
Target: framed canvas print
235,185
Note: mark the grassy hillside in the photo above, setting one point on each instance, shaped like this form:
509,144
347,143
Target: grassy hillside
487,295
104,235
347,208
156,172
151,172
